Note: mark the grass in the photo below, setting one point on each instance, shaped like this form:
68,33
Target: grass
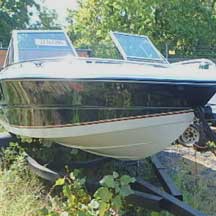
20,191
2,130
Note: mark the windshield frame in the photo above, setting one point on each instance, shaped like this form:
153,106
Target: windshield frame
162,59
16,48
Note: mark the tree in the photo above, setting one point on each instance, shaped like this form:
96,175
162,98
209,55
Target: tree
184,25
17,14
47,20
14,14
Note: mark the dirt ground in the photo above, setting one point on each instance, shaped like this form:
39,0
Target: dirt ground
195,174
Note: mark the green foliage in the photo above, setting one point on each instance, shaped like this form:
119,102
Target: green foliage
47,20
24,139
155,214
2,130
107,200
17,14
186,26
10,154
113,191
60,182
20,190
211,145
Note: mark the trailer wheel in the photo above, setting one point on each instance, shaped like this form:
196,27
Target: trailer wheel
190,136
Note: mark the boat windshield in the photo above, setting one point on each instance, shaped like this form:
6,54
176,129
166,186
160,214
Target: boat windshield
34,45
136,47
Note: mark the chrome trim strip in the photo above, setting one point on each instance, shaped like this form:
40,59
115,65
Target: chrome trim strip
156,81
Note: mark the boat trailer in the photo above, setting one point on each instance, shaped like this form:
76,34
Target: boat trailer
145,194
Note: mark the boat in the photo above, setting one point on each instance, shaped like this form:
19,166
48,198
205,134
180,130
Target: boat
127,108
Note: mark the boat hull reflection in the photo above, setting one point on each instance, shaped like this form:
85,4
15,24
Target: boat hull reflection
117,119
47,103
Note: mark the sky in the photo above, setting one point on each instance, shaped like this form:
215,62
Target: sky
61,7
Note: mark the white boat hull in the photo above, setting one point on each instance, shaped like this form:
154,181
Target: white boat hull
132,138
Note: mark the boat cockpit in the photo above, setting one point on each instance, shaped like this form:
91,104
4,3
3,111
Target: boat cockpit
41,45
31,45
